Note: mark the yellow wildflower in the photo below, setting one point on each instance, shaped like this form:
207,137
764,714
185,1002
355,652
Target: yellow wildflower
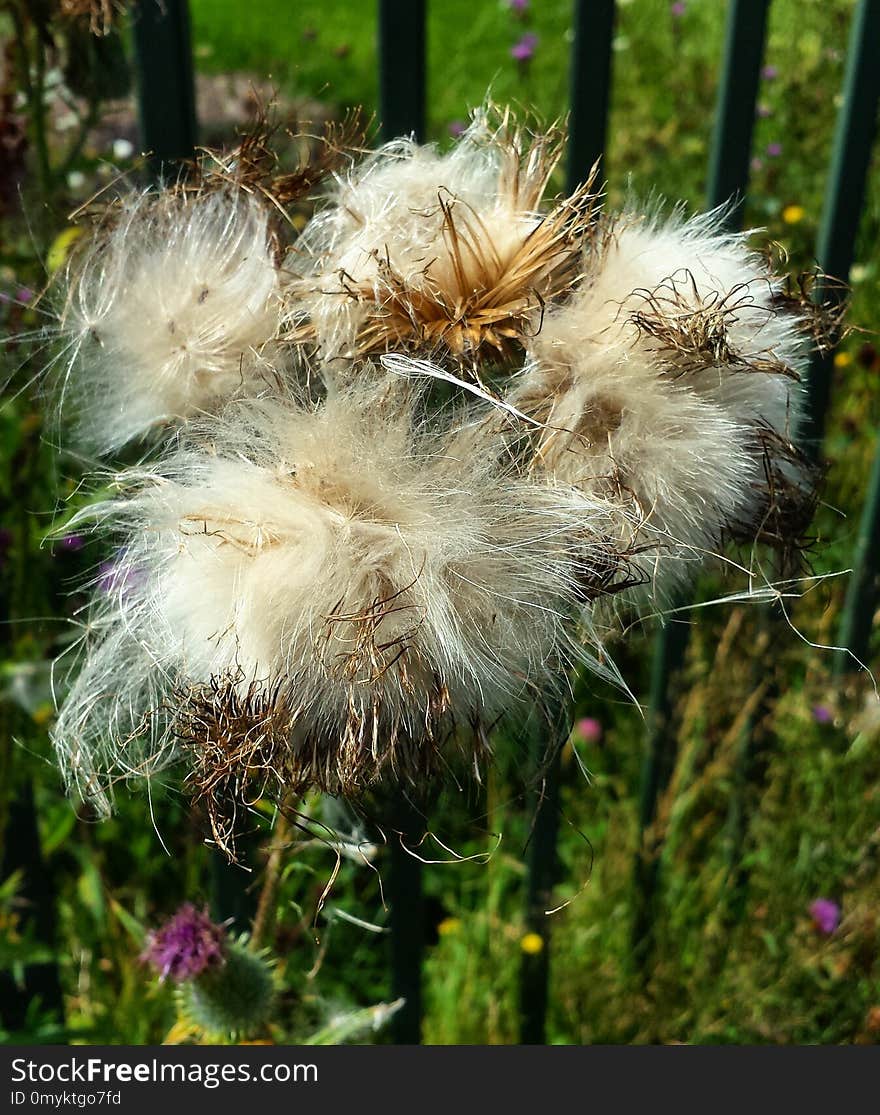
842,359
449,926
532,944
793,214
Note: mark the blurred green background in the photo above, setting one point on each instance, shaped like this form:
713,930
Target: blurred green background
774,797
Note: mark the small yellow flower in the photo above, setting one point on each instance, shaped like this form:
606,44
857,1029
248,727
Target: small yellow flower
532,944
449,926
793,214
61,247
842,359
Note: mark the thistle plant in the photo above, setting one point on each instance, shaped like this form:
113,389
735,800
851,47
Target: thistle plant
410,467
226,989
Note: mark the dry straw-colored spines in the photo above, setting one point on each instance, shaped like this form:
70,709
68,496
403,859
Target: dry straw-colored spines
442,255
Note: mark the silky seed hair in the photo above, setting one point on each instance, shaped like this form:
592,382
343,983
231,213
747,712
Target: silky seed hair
445,255
670,379
165,312
341,557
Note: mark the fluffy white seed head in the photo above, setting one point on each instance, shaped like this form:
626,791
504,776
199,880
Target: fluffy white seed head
426,251
670,378
167,314
343,560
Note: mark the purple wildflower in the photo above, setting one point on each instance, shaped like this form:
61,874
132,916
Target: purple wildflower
588,729
24,294
774,150
519,7
826,915
186,945
769,73
822,714
678,9
523,51
72,542
456,128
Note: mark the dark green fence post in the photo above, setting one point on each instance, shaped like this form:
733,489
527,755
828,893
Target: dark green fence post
850,160
402,78
728,178
590,82
402,83
845,195
166,87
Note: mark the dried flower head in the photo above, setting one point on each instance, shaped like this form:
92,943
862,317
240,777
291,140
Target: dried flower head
325,593
167,313
439,254
186,946
670,379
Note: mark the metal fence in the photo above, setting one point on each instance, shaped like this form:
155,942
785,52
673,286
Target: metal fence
168,116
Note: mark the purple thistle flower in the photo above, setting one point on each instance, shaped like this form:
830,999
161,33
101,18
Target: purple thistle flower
774,150
822,714
523,51
24,295
72,542
456,128
116,575
186,945
826,915
678,9
769,73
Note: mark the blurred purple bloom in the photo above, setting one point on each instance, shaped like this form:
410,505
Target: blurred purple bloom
185,945
524,50
518,6
825,915
456,127
24,294
678,9
117,576
757,164
588,729
764,111
72,542
822,714
774,150
769,73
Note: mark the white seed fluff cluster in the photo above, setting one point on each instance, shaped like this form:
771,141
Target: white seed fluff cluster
664,379
404,472
168,314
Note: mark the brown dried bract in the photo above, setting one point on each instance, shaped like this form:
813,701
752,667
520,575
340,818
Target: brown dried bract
789,494
692,329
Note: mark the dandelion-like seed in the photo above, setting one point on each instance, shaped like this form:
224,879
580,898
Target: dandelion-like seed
439,254
167,313
670,379
328,594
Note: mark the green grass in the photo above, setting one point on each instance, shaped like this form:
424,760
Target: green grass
735,957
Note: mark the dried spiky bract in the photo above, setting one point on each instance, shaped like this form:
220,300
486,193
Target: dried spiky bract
439,254
340,558
167,313
669,380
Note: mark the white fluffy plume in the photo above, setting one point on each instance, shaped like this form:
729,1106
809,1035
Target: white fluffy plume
166,313
337,567
423,251
669,381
